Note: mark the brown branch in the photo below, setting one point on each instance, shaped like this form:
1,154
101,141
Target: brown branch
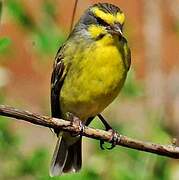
164,150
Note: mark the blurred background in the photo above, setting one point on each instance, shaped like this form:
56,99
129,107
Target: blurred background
147,108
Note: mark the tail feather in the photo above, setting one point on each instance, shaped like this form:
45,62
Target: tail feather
74,158
66,158
59,157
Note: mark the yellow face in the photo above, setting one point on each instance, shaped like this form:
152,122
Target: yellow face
95,31
110,23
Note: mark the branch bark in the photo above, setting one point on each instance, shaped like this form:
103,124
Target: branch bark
164,150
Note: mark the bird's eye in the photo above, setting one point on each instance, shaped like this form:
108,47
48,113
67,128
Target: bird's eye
101,22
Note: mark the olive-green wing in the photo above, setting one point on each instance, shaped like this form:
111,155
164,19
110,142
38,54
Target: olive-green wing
127,54
57,80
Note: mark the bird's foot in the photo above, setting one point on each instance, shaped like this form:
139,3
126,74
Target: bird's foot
114,134
74,120
114,139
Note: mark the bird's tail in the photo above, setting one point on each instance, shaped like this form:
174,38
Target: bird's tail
66,158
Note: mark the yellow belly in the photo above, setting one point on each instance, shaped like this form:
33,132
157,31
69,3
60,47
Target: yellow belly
93,81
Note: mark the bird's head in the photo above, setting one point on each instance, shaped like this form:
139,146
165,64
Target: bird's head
103,18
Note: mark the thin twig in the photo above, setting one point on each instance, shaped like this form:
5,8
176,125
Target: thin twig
73,15
164,150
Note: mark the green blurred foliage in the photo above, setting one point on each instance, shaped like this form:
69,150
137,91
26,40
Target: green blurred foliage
13,163
132,87
50,9
47,41
4,45
45,35
18,12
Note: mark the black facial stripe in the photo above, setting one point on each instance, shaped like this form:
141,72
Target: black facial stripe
100,37
101,21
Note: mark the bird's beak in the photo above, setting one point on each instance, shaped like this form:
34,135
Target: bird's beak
116,29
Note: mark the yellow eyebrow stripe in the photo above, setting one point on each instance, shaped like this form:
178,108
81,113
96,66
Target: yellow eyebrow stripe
109,18
120,17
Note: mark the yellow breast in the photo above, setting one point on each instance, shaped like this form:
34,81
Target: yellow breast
94,79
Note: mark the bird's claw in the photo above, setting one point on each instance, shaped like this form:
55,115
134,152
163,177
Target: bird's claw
114,140
74,120
101,144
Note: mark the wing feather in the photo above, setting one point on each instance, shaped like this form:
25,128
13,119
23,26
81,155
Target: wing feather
57,79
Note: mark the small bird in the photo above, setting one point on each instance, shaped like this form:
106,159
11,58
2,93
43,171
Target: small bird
89,71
